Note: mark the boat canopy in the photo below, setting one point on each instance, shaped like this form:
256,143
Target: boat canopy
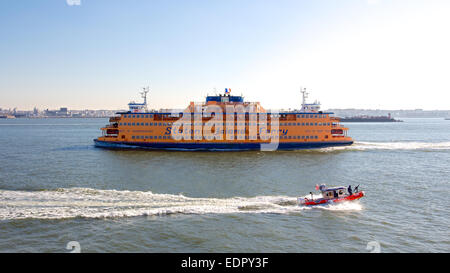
335,189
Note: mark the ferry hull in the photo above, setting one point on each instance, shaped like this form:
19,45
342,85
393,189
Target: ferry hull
214,146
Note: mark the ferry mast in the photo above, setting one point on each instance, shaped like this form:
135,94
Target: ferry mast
309,107
304,96
144,93
140,107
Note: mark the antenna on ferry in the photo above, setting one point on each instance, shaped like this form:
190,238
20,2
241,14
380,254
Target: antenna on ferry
144,96
304,95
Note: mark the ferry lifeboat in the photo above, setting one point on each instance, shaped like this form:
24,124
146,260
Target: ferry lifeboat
332,195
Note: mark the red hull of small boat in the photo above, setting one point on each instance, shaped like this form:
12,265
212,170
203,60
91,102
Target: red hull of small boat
321,201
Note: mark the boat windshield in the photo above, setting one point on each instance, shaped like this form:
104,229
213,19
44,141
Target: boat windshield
335,193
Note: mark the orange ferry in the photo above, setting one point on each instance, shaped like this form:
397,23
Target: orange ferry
197,128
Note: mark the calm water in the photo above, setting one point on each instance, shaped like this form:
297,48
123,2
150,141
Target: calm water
55,187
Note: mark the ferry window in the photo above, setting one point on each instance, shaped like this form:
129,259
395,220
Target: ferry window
137,116
142,124
298,116
328,124
159,137
159,124
315,116
133,124
303,116
146,124
151,137
133,137
134,116
316,124
303,124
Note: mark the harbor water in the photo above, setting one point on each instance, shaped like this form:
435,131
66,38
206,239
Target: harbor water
56,188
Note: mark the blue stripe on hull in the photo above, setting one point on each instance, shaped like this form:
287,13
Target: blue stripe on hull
215,146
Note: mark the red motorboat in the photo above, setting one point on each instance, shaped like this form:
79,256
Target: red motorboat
331,196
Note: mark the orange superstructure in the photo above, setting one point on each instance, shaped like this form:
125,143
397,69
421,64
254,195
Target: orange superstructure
223,122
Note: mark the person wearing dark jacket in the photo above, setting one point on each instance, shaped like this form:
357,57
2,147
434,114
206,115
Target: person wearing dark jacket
350,190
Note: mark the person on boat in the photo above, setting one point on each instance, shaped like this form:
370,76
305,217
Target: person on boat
357,188
335,194
349,189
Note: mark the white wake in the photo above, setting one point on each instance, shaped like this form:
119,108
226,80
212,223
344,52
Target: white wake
412,145
92,203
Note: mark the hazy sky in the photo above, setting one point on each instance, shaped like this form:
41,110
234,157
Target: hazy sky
384,54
